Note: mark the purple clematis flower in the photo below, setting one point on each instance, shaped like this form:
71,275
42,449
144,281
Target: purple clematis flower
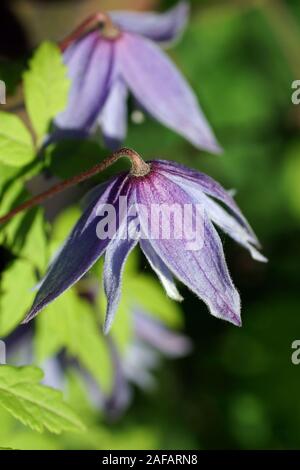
110,55
164,184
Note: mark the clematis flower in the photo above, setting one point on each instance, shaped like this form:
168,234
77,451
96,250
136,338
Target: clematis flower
112,54
150,185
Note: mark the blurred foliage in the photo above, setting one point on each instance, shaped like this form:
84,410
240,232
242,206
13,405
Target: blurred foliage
239,388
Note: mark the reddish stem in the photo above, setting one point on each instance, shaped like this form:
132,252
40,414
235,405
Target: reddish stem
90,24
138,168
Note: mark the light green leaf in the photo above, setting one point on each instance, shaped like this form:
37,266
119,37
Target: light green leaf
7,173
35,405
16,148
46,87
16,294
25,236
70,323
35,247
62,227
11,195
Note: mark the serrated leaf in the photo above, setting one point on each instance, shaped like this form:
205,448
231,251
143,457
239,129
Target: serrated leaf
16,148
16,294
70,323
35,405
46,87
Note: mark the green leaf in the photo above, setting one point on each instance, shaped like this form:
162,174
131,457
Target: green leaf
35,248
46,87
62,227
12,194
70,323
35,405
25,236
7,173
16,294
16,148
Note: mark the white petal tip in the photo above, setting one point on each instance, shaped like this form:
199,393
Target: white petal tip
171,290
106,329
212,147
107,326
232,192
257,256
177,297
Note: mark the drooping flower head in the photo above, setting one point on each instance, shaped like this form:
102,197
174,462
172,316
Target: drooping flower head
111,54
170,210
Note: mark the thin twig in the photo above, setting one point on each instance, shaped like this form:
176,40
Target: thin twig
138,168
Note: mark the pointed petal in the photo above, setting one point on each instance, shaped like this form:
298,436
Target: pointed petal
162,90
206,184
89,63
232,227
161,27
230,224
113,118
204,270
115,258
163,273
81,250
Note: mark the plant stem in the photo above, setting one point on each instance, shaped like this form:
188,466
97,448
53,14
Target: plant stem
138,168
101,21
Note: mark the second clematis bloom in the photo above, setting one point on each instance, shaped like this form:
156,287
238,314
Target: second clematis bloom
112,54
158,204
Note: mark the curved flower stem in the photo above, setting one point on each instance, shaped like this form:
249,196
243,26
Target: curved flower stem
138,168
98,20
